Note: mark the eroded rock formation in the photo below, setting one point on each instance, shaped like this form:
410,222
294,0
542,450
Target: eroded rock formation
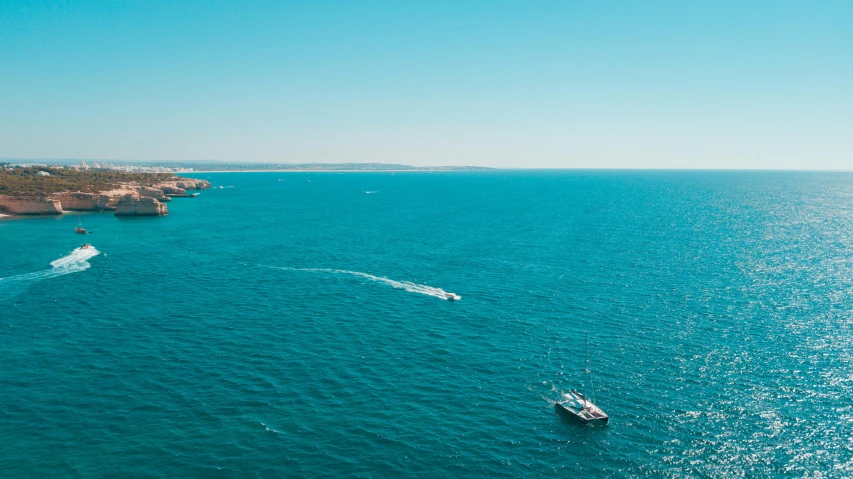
129,205
30,205
185,184
84,201
131,199
152,192
171,190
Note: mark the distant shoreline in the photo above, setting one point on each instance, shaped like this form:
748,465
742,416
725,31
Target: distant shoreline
210,167
333,171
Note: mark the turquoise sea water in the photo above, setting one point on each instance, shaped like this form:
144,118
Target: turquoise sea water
293,329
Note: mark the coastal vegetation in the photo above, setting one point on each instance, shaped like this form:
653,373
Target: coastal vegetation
39,181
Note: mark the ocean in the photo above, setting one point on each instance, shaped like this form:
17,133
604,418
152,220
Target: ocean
295,325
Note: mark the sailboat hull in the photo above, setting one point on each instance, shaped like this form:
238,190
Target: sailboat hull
583,417
581,409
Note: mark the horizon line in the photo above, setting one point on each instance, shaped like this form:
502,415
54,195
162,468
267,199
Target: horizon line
542,168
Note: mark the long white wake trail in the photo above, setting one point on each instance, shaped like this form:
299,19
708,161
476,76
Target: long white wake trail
74,262
405,285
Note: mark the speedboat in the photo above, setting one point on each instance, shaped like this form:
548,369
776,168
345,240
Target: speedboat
578,407
85,246
452,297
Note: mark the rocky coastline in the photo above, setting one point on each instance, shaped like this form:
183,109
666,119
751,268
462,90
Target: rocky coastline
30,205
127,200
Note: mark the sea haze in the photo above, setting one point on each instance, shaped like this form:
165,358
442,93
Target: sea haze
294,325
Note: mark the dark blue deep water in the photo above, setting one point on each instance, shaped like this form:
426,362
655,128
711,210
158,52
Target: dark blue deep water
285,328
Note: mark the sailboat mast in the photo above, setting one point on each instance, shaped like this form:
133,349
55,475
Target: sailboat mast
588,370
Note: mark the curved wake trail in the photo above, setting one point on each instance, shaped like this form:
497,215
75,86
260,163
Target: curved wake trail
74,262
405,285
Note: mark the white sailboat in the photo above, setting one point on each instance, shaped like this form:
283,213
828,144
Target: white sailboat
79,229
576,404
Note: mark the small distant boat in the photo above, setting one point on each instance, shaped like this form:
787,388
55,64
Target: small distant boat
452,297
79,229
85,246
578,407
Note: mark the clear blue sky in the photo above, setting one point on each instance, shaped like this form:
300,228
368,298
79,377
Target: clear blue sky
633,84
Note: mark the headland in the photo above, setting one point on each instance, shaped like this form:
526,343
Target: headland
53,190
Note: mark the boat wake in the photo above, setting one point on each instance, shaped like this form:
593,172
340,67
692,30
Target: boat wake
404,285
74,262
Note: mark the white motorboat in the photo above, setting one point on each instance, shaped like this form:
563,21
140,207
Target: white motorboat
452,297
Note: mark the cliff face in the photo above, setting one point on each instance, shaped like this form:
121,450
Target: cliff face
159,191
131,199
171,190
185,184
30,205
84,201
130,205
152,192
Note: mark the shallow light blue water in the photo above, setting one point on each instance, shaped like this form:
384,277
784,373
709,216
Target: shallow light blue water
211,343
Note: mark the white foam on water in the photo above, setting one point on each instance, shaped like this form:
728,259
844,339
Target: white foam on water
74,262
270,429
404,285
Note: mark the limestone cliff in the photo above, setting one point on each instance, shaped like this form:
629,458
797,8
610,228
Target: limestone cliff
171,190
76,201
128,199
186,184
129,205
30,205
152,192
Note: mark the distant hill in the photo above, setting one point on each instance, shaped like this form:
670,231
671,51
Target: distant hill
208,165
